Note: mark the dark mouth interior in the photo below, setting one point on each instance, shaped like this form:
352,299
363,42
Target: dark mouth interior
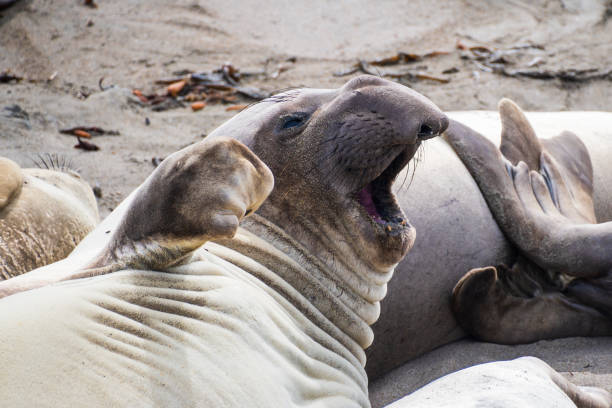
378,200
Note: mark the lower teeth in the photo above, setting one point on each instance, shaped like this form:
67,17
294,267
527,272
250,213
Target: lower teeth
394,224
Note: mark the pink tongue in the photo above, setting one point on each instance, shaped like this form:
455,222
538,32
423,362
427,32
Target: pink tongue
365,199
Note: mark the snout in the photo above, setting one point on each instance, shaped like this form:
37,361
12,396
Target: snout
413,116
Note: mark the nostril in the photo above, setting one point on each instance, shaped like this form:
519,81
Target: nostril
425,130
432,127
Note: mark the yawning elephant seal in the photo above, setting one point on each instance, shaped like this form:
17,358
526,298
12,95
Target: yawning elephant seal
44,213
277,316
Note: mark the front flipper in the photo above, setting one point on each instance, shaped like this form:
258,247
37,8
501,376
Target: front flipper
519,143
522,305
196,195
557,221
542,200
518,139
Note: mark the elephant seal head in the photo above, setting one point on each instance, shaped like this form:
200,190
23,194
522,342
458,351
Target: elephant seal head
335,154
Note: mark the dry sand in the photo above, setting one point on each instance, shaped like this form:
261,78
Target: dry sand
131,43
134,42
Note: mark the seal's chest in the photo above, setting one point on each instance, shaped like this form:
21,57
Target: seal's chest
228,340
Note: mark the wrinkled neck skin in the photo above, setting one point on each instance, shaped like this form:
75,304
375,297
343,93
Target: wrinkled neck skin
327,282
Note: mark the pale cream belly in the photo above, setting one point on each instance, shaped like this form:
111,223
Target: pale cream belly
204,334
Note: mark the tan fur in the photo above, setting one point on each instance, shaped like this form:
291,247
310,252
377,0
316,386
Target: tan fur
11,181
43,216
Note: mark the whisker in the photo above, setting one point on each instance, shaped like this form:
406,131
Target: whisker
54,161
420,156
405,176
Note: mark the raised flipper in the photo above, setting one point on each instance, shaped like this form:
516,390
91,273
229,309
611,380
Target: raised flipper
518,139
551,240
519,143
568,150
11,180
554,229
197,194
557,286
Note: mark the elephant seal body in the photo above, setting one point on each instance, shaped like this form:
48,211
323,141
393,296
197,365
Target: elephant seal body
278,315
207,333
44,213
416,315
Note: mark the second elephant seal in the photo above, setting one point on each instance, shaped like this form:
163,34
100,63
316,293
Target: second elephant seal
44,214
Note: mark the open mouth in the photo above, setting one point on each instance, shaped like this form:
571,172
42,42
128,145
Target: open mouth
378,200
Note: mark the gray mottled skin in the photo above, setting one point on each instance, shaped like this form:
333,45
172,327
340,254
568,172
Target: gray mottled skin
540,192
456,232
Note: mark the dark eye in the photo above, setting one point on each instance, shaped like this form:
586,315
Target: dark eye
294,120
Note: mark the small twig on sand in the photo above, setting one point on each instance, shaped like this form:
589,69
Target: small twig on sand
85,145
89,130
